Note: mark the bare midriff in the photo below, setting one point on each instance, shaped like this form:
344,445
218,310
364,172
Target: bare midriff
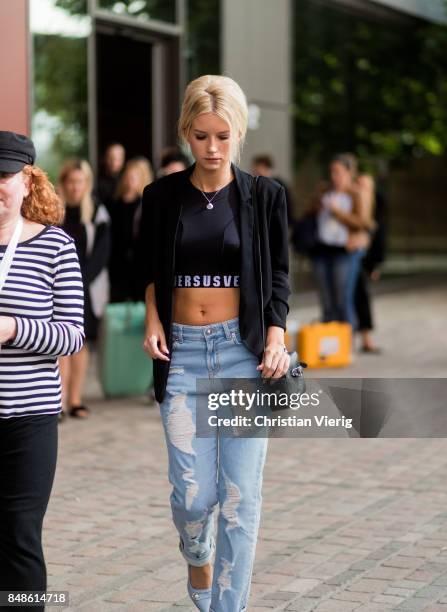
202,306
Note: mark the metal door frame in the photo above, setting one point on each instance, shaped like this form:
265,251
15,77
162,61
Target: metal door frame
164,37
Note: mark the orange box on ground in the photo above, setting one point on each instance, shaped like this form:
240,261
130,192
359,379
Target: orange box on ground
325,345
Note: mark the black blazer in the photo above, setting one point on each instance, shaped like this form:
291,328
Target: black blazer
162,204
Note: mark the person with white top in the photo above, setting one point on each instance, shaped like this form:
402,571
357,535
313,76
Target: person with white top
340,223
41,318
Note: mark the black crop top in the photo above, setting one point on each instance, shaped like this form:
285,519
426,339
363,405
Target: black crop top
207,247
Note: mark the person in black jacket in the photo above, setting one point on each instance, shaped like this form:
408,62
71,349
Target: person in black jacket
205,320
88,223
125,213
110,173
371,263
264,165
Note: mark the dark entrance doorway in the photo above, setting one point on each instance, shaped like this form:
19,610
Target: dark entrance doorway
124,90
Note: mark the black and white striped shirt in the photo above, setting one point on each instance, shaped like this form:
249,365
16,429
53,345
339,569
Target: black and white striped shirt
44,293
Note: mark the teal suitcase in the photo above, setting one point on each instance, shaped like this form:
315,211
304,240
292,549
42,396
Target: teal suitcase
124,367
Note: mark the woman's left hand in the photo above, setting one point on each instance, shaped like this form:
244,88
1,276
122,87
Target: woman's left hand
275,361
7,329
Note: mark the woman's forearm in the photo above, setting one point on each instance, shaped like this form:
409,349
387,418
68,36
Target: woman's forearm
275,335
58,338
355,220
151,304
351,220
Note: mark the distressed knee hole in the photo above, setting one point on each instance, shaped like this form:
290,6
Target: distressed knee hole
180,425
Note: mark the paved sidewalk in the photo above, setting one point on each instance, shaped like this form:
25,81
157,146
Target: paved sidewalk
347,524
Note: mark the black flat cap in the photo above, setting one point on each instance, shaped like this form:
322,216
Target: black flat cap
16,151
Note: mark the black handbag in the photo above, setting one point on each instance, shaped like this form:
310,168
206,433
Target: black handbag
293,381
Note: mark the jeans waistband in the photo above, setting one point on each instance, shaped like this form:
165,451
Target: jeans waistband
222,329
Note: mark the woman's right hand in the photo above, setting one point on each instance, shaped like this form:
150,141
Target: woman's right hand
155,341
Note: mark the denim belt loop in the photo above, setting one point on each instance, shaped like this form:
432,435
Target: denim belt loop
227,331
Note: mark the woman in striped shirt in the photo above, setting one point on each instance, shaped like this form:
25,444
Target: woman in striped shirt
41,318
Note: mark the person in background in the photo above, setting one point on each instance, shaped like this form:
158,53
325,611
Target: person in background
41,311
172,160
88,223
374,208
264,165
112,167
341,225
126,216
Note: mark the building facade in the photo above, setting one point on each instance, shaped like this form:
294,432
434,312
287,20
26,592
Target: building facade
83,73
101,70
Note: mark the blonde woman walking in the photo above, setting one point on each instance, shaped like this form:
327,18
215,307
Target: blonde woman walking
87,222
204,320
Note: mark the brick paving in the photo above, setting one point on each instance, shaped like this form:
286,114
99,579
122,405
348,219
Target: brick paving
347,524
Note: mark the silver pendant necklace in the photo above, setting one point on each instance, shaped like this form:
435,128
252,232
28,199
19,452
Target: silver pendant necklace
210,204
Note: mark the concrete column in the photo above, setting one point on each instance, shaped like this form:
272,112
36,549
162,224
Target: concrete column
256,50
14,66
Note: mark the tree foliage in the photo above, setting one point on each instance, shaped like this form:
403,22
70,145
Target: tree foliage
60,92
376,88
163,10
203,37
73,7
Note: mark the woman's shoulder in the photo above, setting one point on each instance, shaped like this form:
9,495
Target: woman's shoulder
55,232
271,194
54,237
269,186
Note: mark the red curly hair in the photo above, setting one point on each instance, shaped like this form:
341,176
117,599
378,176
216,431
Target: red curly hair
42,204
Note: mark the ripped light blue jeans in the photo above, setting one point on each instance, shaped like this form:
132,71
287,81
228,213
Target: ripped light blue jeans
218,470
